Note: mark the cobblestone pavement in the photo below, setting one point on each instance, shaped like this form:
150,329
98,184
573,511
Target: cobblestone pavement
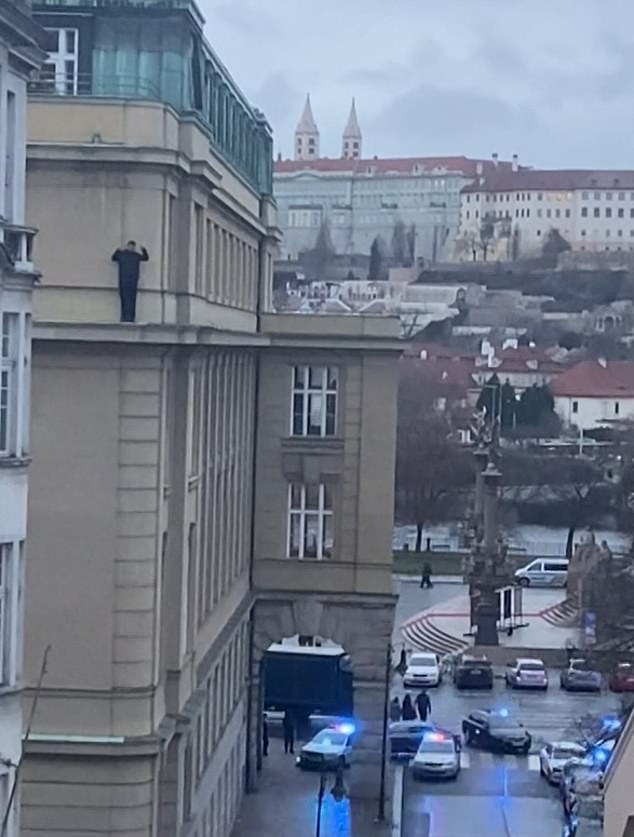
285,805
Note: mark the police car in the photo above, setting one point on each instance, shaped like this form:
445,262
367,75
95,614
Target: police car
438,755
329,749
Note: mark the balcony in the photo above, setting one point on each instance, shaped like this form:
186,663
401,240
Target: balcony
85,84
18,243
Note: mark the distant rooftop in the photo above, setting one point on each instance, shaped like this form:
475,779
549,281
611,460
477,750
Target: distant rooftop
561,180
392,166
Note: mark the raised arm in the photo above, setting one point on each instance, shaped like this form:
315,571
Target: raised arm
115,255
145,256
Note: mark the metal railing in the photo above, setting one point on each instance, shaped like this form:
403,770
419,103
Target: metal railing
89,84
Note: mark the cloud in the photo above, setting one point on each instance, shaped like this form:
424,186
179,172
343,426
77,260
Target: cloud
551,80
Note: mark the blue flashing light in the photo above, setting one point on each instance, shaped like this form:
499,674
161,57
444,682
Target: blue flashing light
346,728
600,756
503,713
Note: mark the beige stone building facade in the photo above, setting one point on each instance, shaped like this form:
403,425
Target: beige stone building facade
206,480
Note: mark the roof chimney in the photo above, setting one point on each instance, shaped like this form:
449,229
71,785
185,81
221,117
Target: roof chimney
515,164
602,362
479,168
495,157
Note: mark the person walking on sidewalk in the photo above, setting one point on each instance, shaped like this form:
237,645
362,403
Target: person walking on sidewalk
288,726
265,735
409,713
395,709
423,705
425,580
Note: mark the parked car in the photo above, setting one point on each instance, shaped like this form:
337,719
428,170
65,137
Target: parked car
580,677
423,669
622,678
553,757
543,572
526,673
473,672
497,731
405,737
328,750
438,756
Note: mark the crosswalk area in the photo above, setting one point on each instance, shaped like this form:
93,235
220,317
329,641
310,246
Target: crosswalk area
478,760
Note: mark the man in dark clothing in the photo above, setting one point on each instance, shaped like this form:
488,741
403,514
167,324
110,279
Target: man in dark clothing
289,732
423,705
265,736
129,260
425,580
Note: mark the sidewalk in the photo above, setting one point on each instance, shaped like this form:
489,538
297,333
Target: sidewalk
436,579
285,805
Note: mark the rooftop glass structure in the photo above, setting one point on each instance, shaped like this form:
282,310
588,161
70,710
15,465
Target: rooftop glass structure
156,50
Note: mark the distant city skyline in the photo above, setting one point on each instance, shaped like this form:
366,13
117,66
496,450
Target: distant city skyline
550,82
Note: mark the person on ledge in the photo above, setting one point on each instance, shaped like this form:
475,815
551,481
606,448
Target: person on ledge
128,259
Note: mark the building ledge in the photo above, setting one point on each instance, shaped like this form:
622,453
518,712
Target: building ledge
14,463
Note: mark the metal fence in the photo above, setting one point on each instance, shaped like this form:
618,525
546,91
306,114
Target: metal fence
86,84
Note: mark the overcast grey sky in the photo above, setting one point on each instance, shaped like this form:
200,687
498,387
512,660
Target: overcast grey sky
551,80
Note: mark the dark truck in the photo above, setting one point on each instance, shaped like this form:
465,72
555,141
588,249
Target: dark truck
308,680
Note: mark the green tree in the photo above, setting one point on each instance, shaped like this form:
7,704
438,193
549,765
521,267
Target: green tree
490,397
555,244
375,271
317,260
399,244
487,233
411,245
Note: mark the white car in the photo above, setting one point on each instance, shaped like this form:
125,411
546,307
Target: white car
553,757
329,749
438,755
423,669
526,673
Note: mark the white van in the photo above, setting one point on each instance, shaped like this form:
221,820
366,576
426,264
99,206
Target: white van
543,572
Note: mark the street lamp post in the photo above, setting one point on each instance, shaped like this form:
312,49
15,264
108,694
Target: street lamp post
320,802
487,569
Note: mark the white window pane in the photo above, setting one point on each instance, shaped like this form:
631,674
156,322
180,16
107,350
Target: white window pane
295,536
327,536
311,536
316,406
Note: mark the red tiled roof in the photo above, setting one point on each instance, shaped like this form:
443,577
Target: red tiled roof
505,180
594,379
395,165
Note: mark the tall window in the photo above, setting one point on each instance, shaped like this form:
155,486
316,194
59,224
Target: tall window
314,404
6,643
61,71
310,521
8,356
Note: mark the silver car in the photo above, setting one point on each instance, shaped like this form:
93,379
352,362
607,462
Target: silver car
553,757
438,756
580,677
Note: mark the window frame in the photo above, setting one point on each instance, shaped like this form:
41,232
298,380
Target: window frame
60,58
322,514
305,392
9,353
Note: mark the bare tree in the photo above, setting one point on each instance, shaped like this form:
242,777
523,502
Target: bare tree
487,233
432,470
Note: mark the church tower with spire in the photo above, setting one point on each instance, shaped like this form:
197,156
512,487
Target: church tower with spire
352,139
307,135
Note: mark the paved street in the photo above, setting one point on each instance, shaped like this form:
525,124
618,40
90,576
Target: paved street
500,796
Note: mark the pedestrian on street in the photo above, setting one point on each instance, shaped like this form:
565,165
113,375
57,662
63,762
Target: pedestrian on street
425,580
265,735
288,726
129,259
395,709
409,713
423,705
402,662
